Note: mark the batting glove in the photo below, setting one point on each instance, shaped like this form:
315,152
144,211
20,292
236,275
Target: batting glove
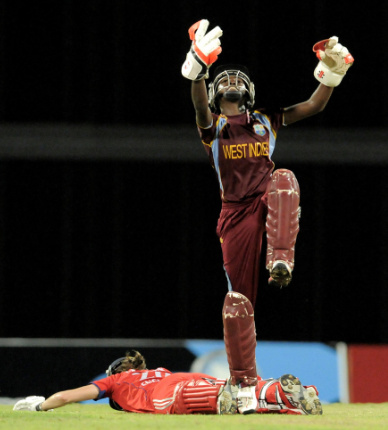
30,403
204,50
335,60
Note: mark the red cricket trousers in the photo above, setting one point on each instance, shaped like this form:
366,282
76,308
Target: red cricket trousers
164,392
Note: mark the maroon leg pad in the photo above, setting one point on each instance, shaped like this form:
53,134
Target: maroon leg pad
240,338
283,217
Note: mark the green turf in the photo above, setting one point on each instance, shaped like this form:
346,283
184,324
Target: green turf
96,417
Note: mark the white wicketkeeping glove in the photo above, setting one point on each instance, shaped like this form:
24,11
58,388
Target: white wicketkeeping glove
30,403
204,50
335,61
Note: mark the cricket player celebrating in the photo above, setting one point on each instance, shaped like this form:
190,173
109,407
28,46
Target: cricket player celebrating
240,142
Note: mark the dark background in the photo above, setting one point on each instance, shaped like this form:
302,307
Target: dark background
108,213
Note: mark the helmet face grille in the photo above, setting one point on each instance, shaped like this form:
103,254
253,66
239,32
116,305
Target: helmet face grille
228,74
229,67
226,71
115,405
114,366
112,371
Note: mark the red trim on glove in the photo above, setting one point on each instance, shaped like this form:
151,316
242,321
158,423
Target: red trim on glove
320,46
200,54
349,58
214,55
193,29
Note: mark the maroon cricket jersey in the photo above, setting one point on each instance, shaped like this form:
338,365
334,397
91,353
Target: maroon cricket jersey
240,149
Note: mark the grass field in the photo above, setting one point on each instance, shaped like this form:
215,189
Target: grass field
101,417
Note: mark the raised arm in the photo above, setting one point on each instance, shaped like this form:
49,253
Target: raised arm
204,51
335,61
200,101
315,104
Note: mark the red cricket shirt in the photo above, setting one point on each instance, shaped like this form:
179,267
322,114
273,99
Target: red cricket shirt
133,389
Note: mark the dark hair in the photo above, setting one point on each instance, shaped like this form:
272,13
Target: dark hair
132,360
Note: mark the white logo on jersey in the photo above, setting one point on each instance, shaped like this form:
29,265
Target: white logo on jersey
259,129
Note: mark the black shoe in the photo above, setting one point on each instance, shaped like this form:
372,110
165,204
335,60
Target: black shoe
280,274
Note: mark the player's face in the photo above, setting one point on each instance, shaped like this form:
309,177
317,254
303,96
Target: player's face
230,82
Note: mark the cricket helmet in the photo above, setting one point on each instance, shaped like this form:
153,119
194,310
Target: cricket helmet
112,370
226,71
